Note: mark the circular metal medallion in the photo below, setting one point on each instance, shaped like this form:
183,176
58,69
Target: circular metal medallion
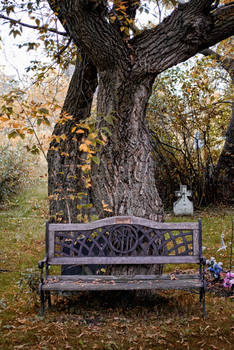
123,239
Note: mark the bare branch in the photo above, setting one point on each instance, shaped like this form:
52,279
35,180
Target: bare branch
39,28
63,49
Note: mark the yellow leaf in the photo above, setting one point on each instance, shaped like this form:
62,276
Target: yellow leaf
83,147
93,135
63,137
88,185
79,217
86,219
105,206
79,131
88,142
109,210
85,167
4,119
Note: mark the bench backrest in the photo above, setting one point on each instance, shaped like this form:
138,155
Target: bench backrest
123,240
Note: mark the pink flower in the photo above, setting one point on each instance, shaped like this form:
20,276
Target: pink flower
229,280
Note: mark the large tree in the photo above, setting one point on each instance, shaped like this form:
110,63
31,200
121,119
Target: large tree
126,67
124,62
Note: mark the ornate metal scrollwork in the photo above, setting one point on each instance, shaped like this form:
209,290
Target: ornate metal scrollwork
123,239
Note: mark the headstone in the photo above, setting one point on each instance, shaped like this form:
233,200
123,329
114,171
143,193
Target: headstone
183,206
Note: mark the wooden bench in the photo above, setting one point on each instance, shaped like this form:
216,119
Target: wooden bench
122,240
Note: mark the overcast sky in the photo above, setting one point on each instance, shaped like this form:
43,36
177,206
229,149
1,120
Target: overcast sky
14,60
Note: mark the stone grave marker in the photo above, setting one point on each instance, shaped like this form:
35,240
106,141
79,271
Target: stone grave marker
183,206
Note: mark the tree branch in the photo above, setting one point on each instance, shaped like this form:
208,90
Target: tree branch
223,25
63,49
90,30
39,28
189,29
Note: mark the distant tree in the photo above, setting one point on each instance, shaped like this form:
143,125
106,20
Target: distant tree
188,114
224,170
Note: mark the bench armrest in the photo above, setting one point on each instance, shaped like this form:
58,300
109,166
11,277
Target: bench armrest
202,269
41,263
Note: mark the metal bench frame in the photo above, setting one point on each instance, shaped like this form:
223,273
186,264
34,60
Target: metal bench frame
122,240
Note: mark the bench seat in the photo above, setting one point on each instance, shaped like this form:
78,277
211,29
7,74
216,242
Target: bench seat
93,282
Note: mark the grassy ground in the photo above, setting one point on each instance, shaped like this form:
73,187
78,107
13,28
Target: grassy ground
102,321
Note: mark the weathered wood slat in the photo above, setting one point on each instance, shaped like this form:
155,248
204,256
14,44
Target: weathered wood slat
124,260
125,220
81,285
123,277
196,242
50,248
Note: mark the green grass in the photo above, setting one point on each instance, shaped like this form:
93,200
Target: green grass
170,320
22,227
215,221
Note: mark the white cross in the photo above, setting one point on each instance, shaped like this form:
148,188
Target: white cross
183,192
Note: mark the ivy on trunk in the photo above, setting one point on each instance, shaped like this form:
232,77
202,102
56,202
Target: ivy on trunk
66,184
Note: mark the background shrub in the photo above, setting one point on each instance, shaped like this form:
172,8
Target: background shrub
14,170
188,115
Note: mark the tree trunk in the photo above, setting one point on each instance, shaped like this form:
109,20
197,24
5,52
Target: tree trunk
224,171
66,185
124,181
125,178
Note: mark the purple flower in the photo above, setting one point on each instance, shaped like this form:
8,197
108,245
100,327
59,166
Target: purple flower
228,281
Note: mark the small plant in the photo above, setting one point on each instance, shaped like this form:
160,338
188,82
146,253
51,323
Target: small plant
29,282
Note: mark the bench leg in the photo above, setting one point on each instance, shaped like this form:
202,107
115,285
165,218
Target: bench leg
204,306
201,295
203,299
48,297
42,303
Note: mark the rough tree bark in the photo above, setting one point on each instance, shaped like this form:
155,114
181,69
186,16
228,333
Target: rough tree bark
127,67
125,178
66,185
